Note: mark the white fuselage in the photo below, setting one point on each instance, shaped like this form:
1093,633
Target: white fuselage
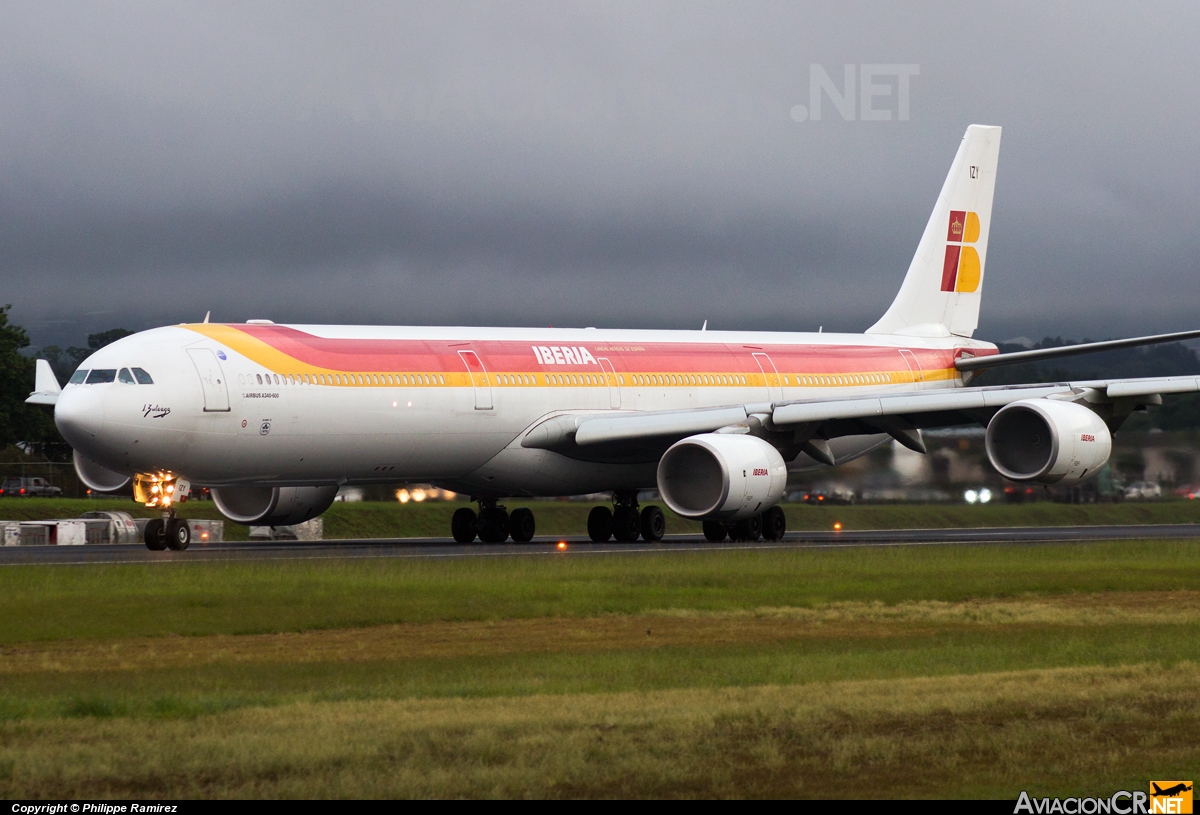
305,405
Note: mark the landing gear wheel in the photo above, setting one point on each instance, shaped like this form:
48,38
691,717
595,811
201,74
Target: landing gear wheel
600,524
156,535
462,525
626,524
493,526
749,530
179,534
774,524
654,524
521,525
715,531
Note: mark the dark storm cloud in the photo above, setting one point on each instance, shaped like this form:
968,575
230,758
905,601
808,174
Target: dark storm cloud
608,164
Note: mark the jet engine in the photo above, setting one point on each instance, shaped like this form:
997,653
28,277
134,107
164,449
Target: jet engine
272,506
95,477
715,476
1047,441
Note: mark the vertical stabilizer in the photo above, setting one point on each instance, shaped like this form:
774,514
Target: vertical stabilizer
940,293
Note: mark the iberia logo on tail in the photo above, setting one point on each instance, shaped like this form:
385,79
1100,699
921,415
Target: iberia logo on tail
962,269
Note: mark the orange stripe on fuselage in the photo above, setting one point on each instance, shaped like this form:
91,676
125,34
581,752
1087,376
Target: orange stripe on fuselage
285,350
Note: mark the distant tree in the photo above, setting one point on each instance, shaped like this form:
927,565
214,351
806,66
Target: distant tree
21,423
98,341
63,361
1178,411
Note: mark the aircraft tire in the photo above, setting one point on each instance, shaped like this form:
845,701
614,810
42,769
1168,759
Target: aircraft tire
715,531
521,525
179,534
626,524
463,524
654,524
155,535
748,530
493,526
600,524
774,524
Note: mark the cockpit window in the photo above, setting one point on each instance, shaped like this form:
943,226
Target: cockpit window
78,377
100,375
143,378
125,377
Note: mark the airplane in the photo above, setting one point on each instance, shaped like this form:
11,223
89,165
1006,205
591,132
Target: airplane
274,419
1170,792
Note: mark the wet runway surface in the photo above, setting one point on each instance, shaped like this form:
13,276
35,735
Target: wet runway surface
576,545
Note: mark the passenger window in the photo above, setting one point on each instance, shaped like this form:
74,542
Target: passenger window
101,375
125,377
78,377
259,376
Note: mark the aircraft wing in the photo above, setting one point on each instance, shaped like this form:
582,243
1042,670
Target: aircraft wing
630,436
978,399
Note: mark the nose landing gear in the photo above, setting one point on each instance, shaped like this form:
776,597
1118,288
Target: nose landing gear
168,532
163,490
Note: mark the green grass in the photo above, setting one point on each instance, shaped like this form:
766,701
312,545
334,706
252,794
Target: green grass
1069,732
39,603
389,520
194,690
911,671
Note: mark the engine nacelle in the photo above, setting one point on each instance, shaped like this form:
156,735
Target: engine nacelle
272,506
721,477
95,477
1047,441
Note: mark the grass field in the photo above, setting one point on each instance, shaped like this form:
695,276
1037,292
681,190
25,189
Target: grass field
917,671
390,520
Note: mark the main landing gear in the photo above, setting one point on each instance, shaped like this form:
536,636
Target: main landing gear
167,532
624,522
771,525
493,524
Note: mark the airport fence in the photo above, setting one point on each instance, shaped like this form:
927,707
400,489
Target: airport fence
56,474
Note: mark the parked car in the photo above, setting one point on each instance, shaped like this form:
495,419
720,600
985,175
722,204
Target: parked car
1143,491
26,487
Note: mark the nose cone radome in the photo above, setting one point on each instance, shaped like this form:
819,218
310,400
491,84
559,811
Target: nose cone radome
79,414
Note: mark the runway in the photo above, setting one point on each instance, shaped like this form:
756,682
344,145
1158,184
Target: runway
578,545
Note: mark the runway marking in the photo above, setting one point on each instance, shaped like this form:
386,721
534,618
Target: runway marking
437,548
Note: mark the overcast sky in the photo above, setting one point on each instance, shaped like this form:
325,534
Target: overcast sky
603,164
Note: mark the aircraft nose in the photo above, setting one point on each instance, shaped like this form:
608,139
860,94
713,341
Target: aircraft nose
79,414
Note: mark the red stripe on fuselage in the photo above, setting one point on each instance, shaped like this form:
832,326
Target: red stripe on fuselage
374,355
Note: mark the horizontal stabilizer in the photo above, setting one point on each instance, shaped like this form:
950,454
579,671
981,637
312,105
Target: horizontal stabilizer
45,385
995,360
